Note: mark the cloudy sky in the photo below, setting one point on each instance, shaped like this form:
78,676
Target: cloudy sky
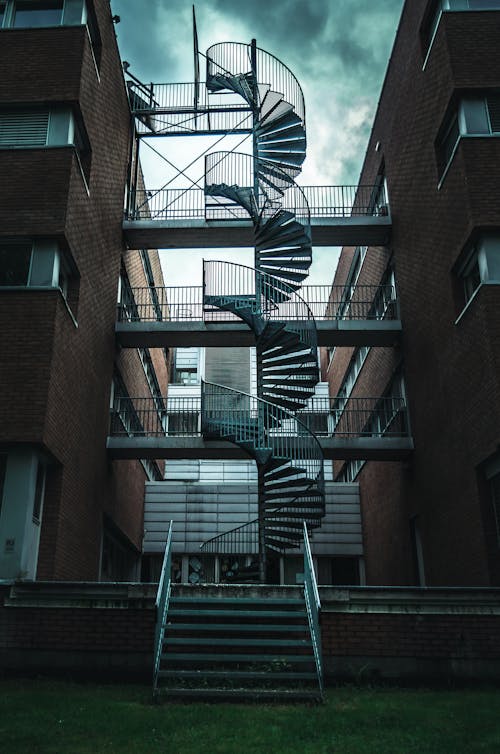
337,49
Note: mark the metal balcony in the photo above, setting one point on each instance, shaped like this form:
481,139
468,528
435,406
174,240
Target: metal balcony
177,316
363,428
185,218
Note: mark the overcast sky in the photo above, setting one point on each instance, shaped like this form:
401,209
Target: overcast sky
337,49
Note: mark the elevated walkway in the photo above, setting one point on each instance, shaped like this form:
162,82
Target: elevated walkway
230,334
196,447
198,233
180,317
358,428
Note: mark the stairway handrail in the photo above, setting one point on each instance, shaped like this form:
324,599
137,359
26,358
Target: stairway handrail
161,605
313,604
262,55
277,410
278,285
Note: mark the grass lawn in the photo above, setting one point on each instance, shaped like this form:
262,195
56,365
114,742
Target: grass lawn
67,718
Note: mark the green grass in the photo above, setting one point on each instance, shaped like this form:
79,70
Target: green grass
67,718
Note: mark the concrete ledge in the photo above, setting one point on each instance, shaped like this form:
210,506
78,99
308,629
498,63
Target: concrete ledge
230,334
411,600
365,230
195,446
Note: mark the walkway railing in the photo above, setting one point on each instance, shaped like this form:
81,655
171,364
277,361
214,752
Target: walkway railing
313,605
189,204
162,602
326,417
326,302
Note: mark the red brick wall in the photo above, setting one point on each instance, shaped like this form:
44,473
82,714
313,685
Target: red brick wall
451,370
58,376
402,639
374,634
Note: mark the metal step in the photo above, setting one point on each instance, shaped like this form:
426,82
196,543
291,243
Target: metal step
214,641
236,657
281,696
207,613
247,628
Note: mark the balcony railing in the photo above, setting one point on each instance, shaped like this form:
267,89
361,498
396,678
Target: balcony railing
326,302
189,204
352,417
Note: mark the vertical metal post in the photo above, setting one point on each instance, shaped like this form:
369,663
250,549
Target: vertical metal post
135,177
262,531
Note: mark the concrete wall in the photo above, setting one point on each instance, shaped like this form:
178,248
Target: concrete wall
367,634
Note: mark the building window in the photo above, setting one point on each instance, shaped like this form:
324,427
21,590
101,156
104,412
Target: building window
30,13
185,367
39,493
3,468
38,264
35,126
495,498
475,115
479,265
435,10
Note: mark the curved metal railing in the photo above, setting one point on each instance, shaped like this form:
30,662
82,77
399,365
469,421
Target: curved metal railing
228,57
248,417
228,284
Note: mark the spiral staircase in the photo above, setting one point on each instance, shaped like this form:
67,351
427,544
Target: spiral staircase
288,457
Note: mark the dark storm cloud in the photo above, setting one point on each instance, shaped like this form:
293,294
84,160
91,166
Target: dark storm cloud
338,49
285,21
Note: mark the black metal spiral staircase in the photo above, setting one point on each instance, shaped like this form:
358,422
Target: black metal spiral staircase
288,457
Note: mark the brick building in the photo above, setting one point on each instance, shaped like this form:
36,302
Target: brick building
67,511
70,510
434,519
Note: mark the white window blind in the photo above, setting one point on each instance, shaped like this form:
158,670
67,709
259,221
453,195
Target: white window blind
22,128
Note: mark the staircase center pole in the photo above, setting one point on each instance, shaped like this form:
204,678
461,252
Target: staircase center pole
262,530
258,295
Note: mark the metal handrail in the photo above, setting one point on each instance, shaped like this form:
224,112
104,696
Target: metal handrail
326,302
234,58
377,416
249,419
162,205
161,606
241,540
257,293
313,605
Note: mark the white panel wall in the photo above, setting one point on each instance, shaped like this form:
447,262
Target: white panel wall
201,511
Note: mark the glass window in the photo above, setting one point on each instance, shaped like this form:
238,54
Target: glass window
39,490
30,13
495,497
484,4
493,103
475,116
3,468
481,265
2,14
471,277
15,260
446,145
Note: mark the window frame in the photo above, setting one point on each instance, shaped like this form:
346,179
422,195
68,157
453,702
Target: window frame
460,114
482,251
433,15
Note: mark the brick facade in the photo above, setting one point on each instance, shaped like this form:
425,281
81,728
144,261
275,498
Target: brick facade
57,361
450,367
